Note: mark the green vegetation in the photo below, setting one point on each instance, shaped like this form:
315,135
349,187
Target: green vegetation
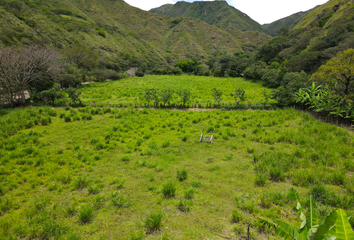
217,13
112,40
256,157
146,90
282,26
334,226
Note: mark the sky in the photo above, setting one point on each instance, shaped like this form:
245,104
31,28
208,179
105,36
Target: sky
262,11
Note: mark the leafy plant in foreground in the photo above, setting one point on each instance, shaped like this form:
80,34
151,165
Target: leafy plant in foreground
335,227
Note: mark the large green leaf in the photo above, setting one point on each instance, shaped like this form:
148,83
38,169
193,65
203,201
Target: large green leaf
326,226
286,231
312,217
292,194
303,221
312,221
283,229
343,229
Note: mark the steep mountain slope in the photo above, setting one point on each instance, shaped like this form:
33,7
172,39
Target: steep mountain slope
217,13
317,38
114,30
287,22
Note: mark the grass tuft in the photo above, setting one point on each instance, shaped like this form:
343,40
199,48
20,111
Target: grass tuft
169,189
153,222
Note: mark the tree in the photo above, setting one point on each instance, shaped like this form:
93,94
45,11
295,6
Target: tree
217,95
166,96
290,84
20,70
148,95
239,95
152,95
185,95
50,95
74,95
269,52
186,65
82,57
338,75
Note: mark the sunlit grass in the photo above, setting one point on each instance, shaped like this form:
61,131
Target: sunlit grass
131,90
102,178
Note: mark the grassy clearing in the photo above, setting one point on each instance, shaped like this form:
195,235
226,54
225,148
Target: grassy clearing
142,174
131,90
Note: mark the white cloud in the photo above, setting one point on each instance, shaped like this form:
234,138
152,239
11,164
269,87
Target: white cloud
148,4
259,10
272,10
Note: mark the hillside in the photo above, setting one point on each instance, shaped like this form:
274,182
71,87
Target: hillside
317,38
287,22
217,13
116,32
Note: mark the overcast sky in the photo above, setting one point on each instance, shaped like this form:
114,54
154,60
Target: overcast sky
262,11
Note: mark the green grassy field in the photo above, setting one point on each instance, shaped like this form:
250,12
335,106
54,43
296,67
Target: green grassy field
66,177
131,90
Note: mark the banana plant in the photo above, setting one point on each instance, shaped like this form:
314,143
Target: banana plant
334,227
309,95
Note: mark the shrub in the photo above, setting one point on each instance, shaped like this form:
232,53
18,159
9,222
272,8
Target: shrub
182,175
153,221
169,189
86,214
125,158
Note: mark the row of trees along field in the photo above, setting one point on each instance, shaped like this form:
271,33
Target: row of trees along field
35,71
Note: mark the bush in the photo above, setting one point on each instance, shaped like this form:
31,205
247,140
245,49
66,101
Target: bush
153,221
176,71
140,73
169,189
